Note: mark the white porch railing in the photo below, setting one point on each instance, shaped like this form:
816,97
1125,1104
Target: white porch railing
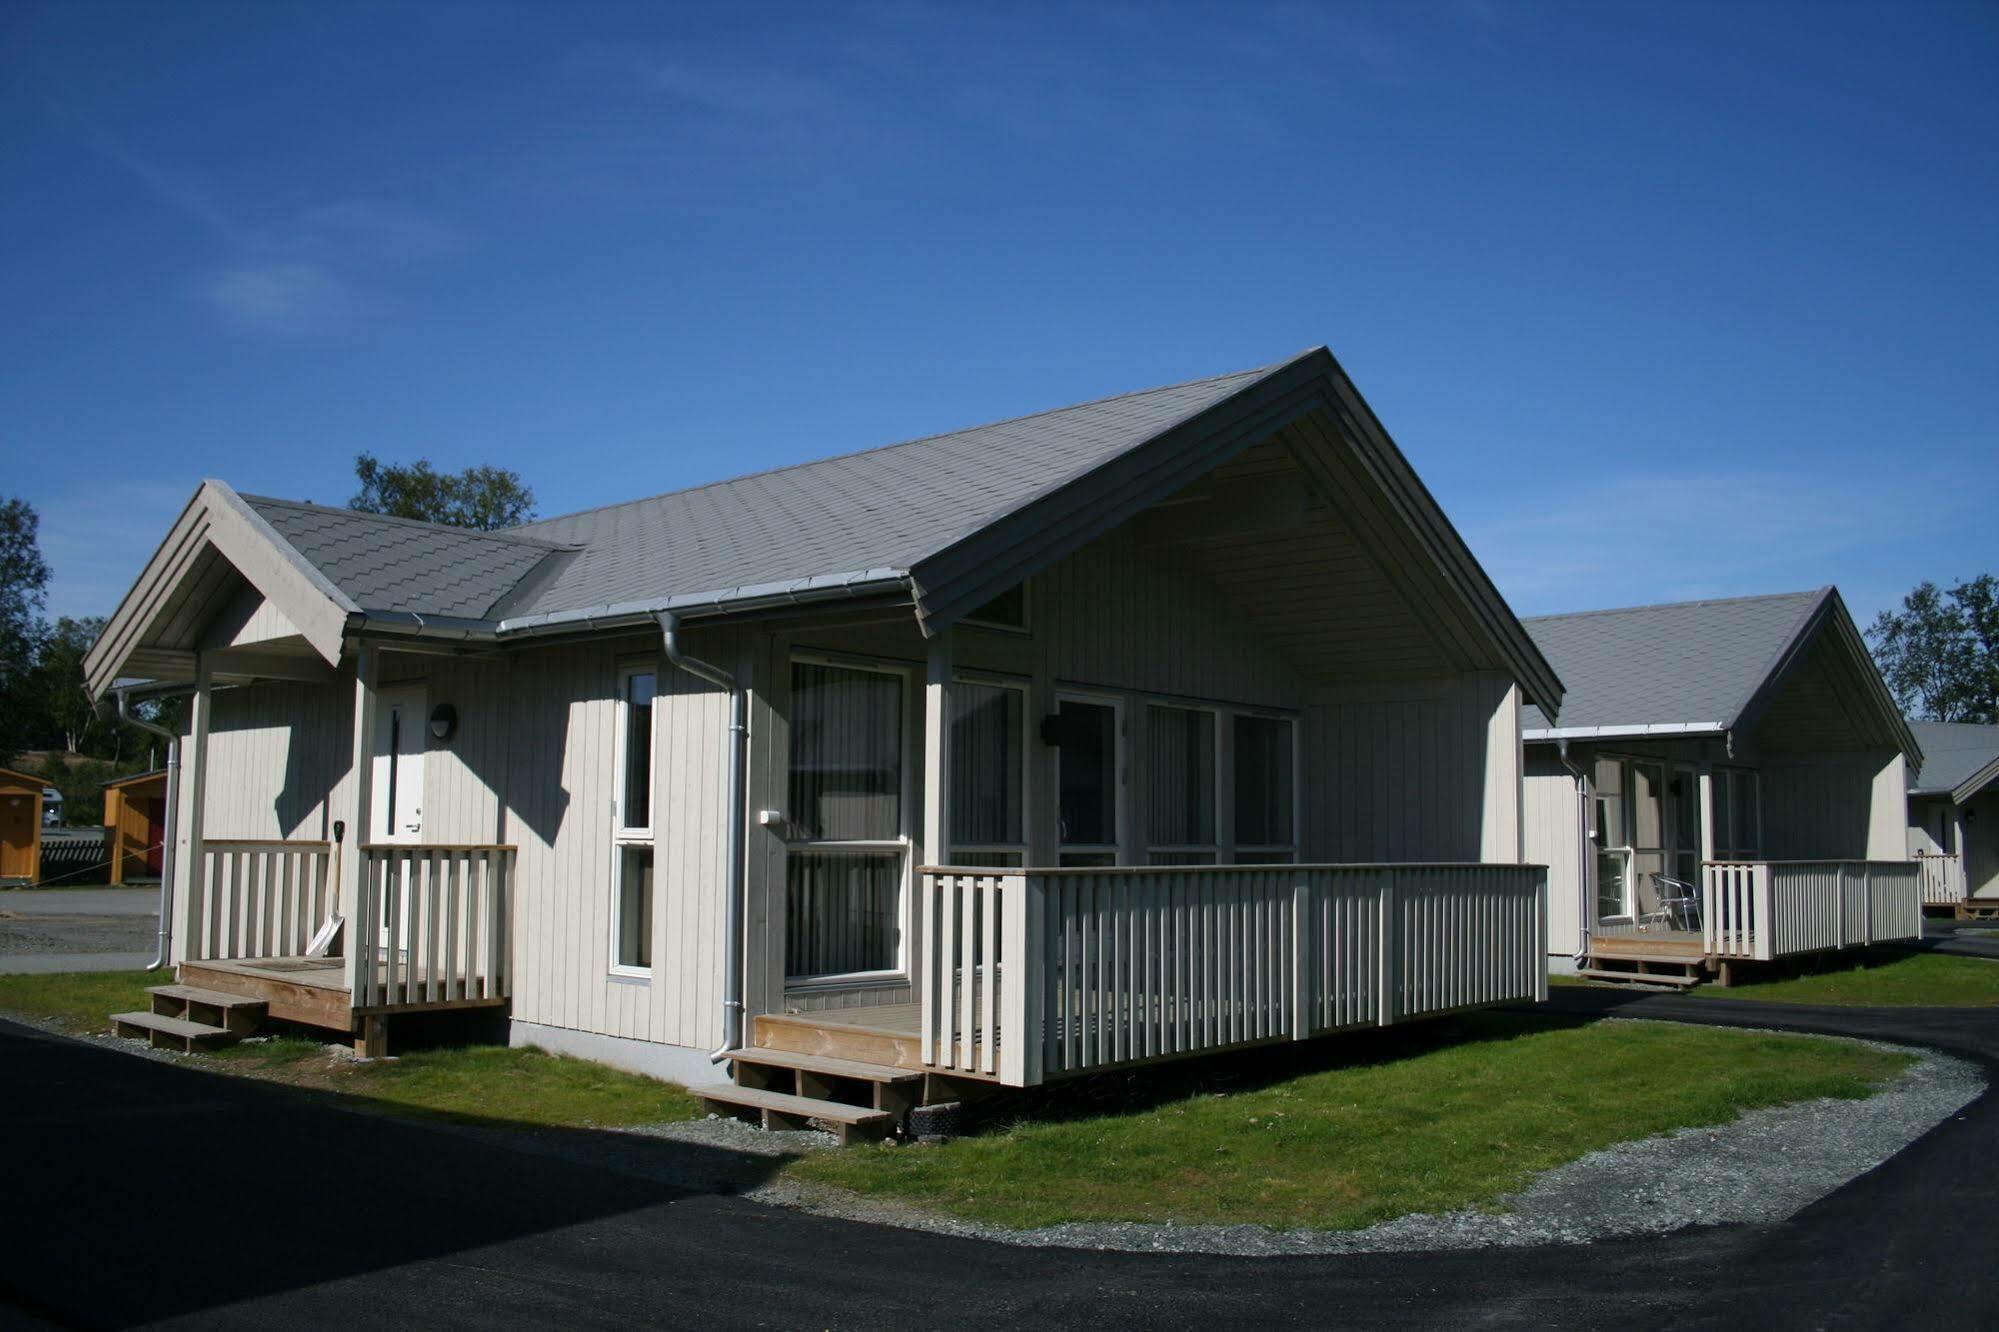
1763,910
432,928
1116,966
257,898
1942,878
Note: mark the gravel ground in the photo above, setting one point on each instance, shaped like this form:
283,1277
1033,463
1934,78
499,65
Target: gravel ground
1762,1168
79,920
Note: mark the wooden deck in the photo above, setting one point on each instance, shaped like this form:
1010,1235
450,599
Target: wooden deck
312,990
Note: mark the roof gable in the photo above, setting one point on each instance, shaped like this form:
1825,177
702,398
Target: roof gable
1709,667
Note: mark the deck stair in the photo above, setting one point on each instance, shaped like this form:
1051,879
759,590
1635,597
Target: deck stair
189,1018
789,1089
1648,968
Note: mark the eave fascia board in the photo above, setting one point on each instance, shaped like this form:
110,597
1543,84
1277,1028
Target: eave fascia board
1965,790
1549,734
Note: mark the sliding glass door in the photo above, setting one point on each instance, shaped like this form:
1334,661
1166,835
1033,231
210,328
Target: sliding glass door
848,853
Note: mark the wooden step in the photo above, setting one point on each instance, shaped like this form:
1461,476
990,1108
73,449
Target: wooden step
1685,981
824,1065
239,1013
1658,958
165,1032
828,1038
780,1110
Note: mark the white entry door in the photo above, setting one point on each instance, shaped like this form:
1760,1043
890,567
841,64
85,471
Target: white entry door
398,777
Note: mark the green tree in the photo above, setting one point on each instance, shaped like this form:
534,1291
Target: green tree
1940,652
480,497
24,582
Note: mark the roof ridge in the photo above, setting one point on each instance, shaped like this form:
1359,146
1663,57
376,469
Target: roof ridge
898,444
514,534
1672,605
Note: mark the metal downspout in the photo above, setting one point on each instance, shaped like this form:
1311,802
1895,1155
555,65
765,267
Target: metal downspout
732,956
1584,907
172,825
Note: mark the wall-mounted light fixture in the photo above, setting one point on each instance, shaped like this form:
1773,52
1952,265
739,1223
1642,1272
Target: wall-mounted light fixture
443,722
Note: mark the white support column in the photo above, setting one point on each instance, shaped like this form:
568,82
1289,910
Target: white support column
354,900
193,868
1707,812
936,848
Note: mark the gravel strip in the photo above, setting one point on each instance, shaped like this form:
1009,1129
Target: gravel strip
1763,1167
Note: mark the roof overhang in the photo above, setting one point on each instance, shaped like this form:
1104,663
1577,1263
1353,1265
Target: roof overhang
1054,523
215,523
1642,731
1965,790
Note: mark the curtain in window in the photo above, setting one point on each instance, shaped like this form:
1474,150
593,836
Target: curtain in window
1263,797
985,765
1180,778
842,911
846,753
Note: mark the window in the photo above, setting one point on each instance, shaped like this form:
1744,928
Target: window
631,923
1613,842
988,796
1008,610
1180,783
1265,799
844,870
1687,825
1738,814
1088,780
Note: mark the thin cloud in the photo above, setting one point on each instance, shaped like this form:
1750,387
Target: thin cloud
285,298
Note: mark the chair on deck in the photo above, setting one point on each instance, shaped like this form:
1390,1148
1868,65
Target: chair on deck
1675,904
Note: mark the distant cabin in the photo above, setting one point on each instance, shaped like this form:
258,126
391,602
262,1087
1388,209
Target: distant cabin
135,820
20,827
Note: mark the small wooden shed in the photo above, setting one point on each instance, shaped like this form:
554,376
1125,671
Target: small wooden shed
135,821
20,827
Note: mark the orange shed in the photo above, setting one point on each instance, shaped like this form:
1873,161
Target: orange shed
135,821
20,826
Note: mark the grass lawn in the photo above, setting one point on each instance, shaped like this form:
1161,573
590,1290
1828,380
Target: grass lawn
1449,1126
1893,980
479,1082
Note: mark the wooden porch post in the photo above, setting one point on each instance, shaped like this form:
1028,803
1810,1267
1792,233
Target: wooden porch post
354,897
193,868
937,751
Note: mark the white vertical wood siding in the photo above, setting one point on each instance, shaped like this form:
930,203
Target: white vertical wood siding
1427,771
1824,806
1553,839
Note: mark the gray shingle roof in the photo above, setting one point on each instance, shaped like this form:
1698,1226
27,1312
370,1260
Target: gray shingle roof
394,564
1690,663
1953,753
885,508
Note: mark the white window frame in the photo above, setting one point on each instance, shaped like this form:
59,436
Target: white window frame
1022,848
622,837
1223,786
1236,850
903,843
1118,850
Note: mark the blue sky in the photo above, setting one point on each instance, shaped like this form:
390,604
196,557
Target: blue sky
1662,300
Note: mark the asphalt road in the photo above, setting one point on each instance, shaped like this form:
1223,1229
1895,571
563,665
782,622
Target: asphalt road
141,1191
78,929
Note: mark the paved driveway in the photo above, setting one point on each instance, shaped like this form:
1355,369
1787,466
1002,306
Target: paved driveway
140,1190
78,929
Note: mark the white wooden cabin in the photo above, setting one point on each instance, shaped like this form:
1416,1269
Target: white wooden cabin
1166,724
1724,786
1954,816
